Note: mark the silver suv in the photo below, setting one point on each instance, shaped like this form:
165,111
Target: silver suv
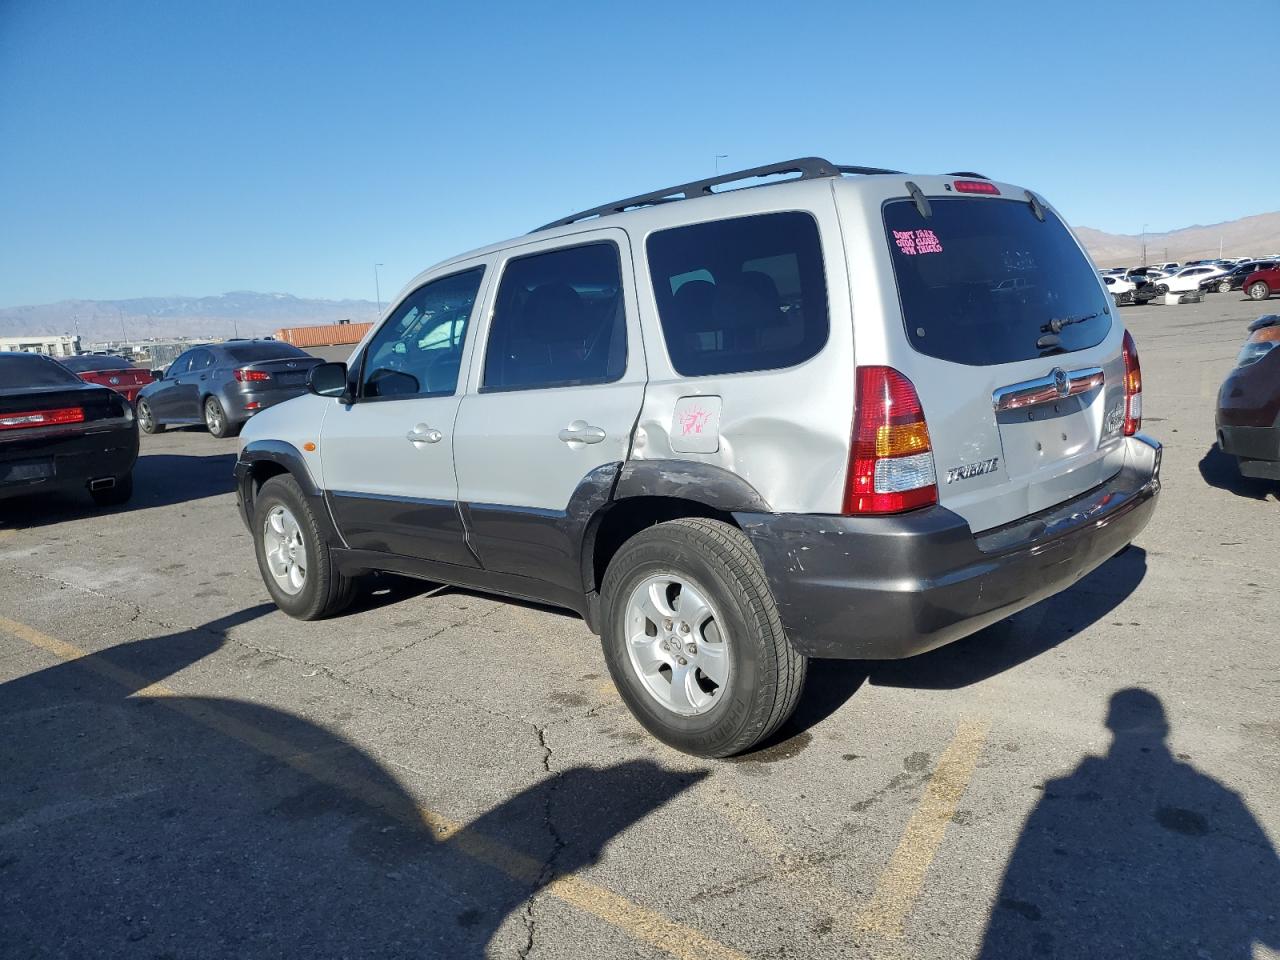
847,412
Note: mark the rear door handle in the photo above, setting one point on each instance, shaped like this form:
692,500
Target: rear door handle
424,434
581,432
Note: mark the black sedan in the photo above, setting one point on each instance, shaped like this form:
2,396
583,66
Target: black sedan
1235,278
222,385
58,433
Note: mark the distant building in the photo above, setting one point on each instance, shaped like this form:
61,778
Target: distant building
54,346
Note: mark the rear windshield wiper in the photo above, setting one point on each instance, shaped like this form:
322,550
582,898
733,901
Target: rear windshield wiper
1057,323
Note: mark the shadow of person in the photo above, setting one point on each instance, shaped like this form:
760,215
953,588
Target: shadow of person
1137,854
210,826
1221,470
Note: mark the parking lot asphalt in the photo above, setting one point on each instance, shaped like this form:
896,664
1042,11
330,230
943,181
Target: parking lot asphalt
186,772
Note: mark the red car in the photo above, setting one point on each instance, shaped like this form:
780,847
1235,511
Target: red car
1262,283
115,372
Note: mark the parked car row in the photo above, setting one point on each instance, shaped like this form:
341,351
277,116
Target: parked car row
1258,278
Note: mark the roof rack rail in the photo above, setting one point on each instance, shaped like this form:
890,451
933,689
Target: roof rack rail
809,168
966,173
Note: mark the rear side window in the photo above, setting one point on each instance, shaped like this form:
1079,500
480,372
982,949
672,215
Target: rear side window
740,295
558,321
17,370
982,280
270,350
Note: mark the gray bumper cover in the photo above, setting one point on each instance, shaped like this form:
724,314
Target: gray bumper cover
891,587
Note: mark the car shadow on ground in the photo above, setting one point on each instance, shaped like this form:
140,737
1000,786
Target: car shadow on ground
1222,471
159,480
1136,853
1000,647
136,818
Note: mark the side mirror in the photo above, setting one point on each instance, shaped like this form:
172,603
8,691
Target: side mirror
328,380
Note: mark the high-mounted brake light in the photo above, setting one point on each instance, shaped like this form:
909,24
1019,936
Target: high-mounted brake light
891,461
977,186
244,374
1132,387
41,418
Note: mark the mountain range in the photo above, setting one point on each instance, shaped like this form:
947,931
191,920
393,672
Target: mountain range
242,313
246,314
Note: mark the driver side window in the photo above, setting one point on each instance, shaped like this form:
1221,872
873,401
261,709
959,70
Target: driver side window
418,351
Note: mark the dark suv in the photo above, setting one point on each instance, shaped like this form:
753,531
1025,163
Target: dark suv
223,385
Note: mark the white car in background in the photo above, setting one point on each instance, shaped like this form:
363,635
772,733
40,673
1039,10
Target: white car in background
1121,289
1188,278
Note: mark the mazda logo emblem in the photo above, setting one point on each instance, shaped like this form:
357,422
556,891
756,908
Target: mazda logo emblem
1061,383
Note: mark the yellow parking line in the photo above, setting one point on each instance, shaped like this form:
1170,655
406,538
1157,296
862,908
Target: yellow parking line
902,880
640,922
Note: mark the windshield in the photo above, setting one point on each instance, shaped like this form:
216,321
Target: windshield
982,281
33,370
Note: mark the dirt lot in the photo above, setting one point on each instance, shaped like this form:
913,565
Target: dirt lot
185,772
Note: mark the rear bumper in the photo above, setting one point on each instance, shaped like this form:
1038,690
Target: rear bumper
68,462
892,587
240,406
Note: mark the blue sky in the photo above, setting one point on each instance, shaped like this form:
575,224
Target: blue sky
152,148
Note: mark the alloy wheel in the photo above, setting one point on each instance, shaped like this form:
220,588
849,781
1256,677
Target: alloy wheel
285,550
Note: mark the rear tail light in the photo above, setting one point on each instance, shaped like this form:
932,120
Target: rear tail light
891,462
245,375
41,418
1132,387
977,186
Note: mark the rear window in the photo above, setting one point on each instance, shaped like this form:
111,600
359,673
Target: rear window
742,294
33,370
982,280
250,352
83,364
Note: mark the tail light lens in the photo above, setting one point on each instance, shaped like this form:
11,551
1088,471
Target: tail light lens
245,375
977,186
891,463
41,418
1132,387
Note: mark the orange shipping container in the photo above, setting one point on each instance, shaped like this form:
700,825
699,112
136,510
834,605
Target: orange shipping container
326,335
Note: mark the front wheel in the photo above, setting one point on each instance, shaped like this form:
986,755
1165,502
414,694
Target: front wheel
1224,286
1162,289
146,419
293,555
1259,291
693,641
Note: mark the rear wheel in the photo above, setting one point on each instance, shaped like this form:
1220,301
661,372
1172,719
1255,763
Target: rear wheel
293,555
146,419
692,638
215,418
1162,289
1259,291
116,495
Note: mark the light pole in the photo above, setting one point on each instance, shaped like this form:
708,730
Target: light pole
377,287
719,157
1144,244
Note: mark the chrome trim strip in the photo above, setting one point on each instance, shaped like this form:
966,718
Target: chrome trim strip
1047,389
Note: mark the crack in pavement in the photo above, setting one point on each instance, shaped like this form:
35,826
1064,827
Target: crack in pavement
557,845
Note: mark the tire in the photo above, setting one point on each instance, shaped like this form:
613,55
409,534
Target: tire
215,419
146,421
321,591
1224,286
762,673
1162,289
1259,291
121,493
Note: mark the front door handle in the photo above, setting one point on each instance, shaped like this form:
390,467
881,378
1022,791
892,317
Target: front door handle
581,432
424,434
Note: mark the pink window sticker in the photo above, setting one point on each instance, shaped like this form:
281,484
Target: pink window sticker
927,242
694,420
906,241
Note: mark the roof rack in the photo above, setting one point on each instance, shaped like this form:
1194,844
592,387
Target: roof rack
808,168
